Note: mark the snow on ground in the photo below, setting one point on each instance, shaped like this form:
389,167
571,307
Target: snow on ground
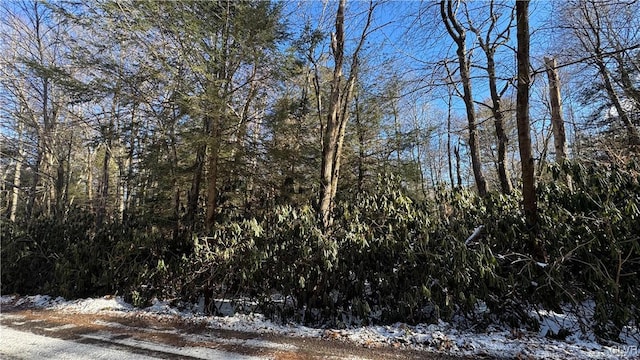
442,337
25,345
187,351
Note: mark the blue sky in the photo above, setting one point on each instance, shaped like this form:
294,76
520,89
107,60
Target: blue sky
411,33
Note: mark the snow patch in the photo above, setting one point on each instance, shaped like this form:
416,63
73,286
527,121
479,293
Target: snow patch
94,306
255,343
562,335
186,351
259,324
110,324
39,301
61,327
161,307
7,299
25,345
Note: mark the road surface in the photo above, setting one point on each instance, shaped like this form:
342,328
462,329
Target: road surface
51,335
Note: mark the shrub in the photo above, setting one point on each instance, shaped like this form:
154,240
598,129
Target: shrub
68,256
593,235
385,259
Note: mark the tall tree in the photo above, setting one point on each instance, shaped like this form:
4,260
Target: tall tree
530,203
597,27
490,40
223,49
33,64
338,110
459,35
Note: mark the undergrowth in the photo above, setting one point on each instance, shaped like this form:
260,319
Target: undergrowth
386,258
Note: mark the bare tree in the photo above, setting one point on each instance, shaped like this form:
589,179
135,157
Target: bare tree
524,128
490,43
338,115
590,25
459,34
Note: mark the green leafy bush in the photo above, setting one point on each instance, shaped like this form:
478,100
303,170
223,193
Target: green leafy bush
386,257
50,255
592,234
69,256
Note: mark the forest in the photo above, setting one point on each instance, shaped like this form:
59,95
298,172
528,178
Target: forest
326,162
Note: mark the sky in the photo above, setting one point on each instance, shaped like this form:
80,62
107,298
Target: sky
410,36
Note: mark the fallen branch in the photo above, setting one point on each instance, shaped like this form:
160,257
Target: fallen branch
476,234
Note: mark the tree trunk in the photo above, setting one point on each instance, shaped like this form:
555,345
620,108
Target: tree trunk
334,131
524,136
17,175
489,46
361,146
331,131
326,174
456,151
175,185
193,197
130,162
67,181
344,119
103,196
557,122
31,205
62,180
253,163
501,134
503,140
449,159
90,177
474,149
212,183
458,34
16,187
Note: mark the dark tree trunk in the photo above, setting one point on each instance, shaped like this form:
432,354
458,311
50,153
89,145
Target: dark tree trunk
450,160
530,203
456,152
103,196
501,134
361,147
193,196
212,184
489,46
458,34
